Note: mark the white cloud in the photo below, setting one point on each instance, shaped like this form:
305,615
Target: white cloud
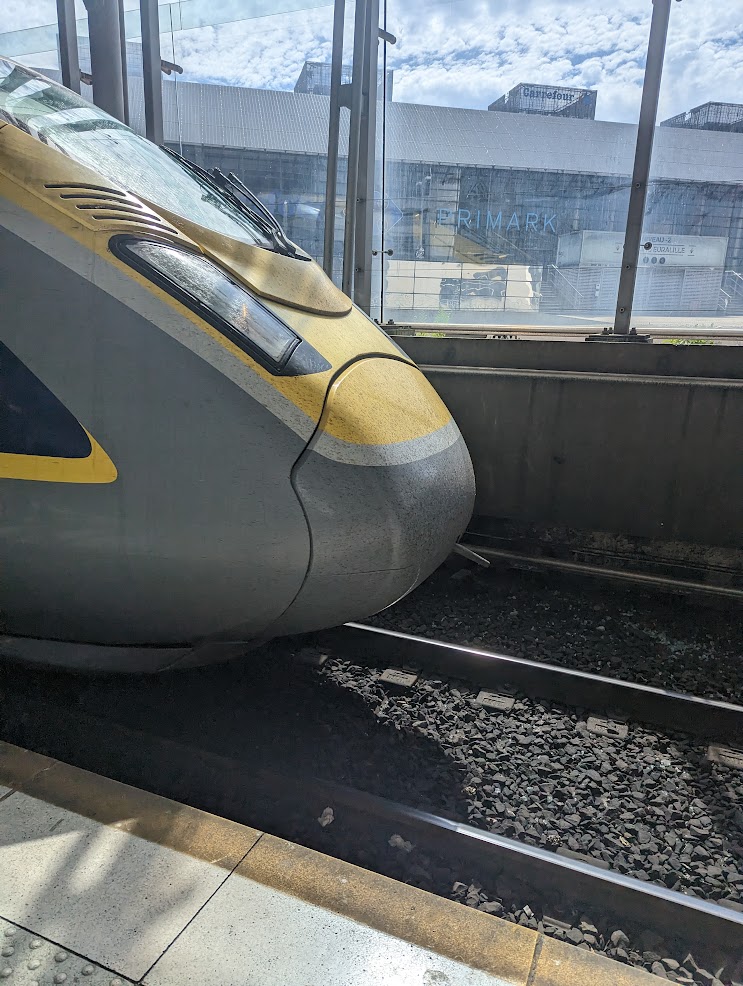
469,52
17,15
467,55
266,52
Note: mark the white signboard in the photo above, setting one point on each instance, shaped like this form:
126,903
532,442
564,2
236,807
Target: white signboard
596,247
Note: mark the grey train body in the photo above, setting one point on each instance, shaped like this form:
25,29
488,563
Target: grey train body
203,444
230,529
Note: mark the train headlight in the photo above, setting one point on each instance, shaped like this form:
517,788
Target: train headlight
215,296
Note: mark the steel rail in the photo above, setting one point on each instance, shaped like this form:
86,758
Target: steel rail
617,699
519,559
285,805
467,330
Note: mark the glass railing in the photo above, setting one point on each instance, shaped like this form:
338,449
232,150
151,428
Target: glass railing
508,155
504,147
690,273
248,94
183,15
263,115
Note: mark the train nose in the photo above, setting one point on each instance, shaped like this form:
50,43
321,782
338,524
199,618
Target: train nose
387,487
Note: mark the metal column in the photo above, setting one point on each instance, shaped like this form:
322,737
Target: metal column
362,284
69,62
354,139
641,170
334,128
105,56
153,84
124,69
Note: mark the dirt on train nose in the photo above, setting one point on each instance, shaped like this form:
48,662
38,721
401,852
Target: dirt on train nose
387,487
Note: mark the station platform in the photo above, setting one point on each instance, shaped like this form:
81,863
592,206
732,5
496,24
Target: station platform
103,884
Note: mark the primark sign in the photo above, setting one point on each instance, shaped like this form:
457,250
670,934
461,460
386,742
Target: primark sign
544,223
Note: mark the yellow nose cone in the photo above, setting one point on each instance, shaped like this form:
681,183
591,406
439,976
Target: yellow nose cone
384,402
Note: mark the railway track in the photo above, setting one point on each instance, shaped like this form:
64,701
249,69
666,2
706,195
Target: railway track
566,893
603,572
677,642
611,698
298,807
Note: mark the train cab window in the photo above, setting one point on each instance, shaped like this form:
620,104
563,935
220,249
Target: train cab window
85,133
32,420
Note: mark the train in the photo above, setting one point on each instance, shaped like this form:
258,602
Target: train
204,444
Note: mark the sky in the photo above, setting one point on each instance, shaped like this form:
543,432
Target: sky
464,53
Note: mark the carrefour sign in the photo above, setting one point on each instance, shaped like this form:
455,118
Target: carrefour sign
543,223
541,92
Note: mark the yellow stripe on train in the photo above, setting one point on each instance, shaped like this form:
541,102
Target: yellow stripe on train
94,468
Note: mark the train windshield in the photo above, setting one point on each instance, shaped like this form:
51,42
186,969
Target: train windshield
85,133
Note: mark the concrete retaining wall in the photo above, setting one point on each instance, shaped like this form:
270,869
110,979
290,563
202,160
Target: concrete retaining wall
630,453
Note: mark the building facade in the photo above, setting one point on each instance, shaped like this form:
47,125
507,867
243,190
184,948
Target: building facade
725,117
315,78
548,101
485,190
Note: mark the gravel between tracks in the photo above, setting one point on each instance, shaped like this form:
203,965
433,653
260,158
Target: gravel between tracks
630,633
650,806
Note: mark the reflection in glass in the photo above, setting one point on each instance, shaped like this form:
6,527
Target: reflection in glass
509,140
691,274
504,148
91,137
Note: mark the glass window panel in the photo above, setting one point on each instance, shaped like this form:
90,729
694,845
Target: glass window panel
690,275
509,143
252,98
91,137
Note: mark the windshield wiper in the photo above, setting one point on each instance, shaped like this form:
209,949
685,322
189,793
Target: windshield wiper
224,188
232,182
234,186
